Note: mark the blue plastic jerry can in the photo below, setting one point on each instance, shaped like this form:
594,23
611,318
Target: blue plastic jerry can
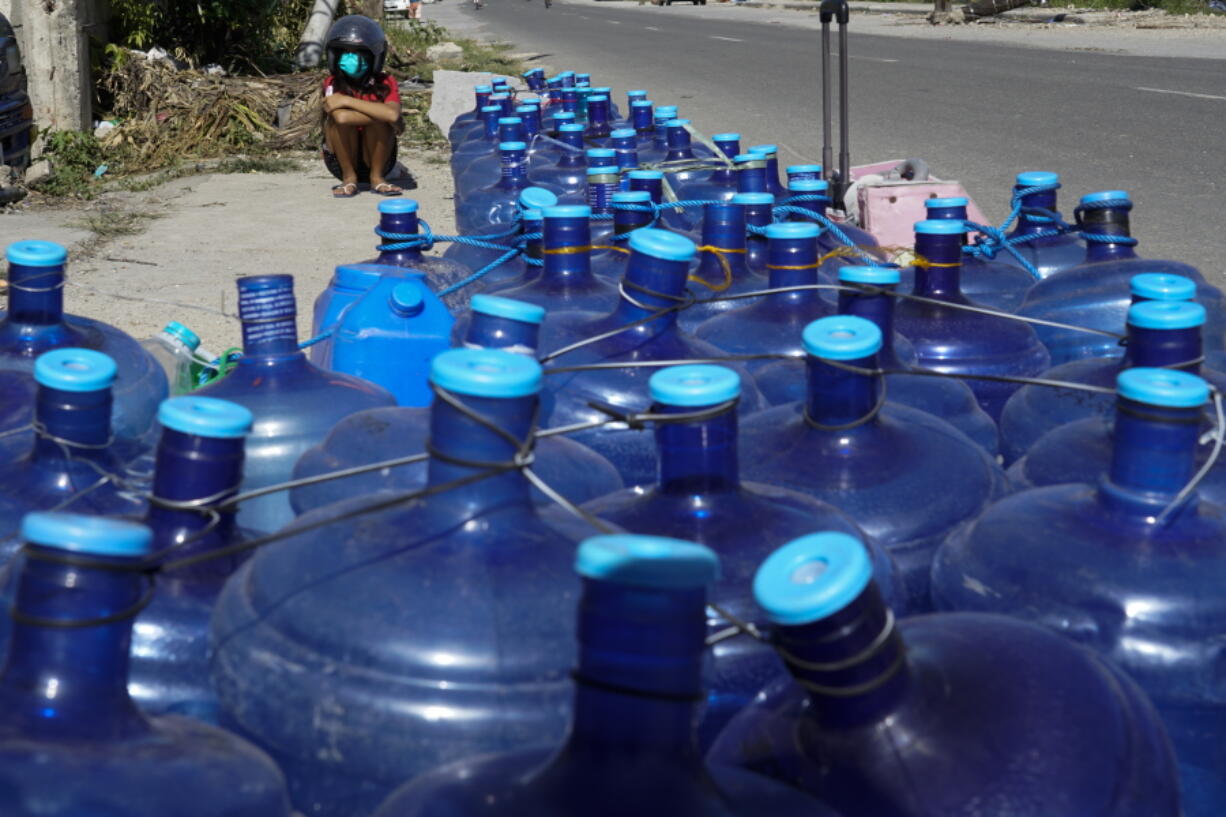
389,334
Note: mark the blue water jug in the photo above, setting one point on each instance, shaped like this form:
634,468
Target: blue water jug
907,477
348,283
437,629
723,268
72,741
598,127
294,402
493,208
484,167
1096,294
469,124
630,748
840,242
36,322
74,462
509,264
642,119
771,154
750,170
772,325
641,330
378,435
798,172
564,167
681,149
632,209
625,145
957,714
958,341
656,149
1035,193
16,411
481,142
1160,334
674,218
399,227
759,214
1130,566
389,336
699,496
987,281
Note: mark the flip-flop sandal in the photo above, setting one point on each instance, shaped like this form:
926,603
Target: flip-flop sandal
344,191
387,189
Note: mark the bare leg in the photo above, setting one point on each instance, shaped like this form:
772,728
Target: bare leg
377,139
342,138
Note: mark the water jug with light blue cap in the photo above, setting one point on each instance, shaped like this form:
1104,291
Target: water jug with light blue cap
700,496
74,461
771,154
493,128
722,266
1047,254
959,341
908,478
488,167
381,434
469,123
799,172
492,209
955,714
603,181
750,170
642,119
35,322
657,148
1096,293
293,401
674,218
640,330
438,629
176,348
16,411
771,325
567,170
631,210
638,683
1163,334
853,246
760,213
718,184
1129,565
513,266
598,119
72,740
624,144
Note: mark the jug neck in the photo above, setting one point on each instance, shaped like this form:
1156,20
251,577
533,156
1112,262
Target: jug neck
460,445
399,224
1153,458
1108,222
878,308
792,262
700,456
572,138
598,118
851,664
71,682
1030,222
941,274
836,397
680,145
751,177
496,332
642,118
79,418
653,185
1164,347
534,247
723,228
514,169
600,189
36,294
627,221
269,314
568,251
654,284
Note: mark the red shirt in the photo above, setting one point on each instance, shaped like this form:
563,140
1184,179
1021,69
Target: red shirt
393,90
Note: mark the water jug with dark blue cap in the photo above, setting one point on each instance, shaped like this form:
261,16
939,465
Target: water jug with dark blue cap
75,462
722,266
294,401
1096,294
35,322
490,165
381,434
631,210
638,331
908,478
1163,334
437,629
389,335
565,168
492,209
990,282
957,714
469,122
759,212
959,341
512,266
1130,566
772,325
1047,254
638,687
771,154
750,170
799,172
482,142
700,496
72,740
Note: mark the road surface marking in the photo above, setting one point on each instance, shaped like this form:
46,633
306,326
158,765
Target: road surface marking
613,22
1181,93
870,59
651,28
726,39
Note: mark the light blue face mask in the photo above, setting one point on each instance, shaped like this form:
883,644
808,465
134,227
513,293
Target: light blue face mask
353,65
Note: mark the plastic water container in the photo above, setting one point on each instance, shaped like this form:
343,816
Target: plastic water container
439,629
469,123
294,402
771,325
399,226
512,267
348,283
565,166
850,245
630,748
957,341
482,167
16,411
381,434
1096,294
657,148
72,741
750,169
631,210
493,208
36,322
389,335
954,714
700,496
759,212
682,149
1048,254
771,154
677,219
638,332
908,478
797,172
1160,334
1129,567
177,350
625,145
990,282
74,462
723,264
482,142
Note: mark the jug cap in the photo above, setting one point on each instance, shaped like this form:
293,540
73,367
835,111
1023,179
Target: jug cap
483,89
662,244
406,299
35,253
726,137
804,169
571,127
601,153
646,174
508,308
93,535
602,170
940,226
808,185
486,373
565,116
510,120
1169,388
525,108
948,201
595,97
842,337
646,561
792,229
753,198
1037,178
676,123
189,338
623,133
881,276
1162,286
567,211
636,94
641,103
536,198
696,384
631,197
765,150
1106,195
1166,315
205,417
812,577
512,146
76,370
748,157
391,206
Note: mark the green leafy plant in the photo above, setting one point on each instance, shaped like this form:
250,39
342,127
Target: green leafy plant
74,156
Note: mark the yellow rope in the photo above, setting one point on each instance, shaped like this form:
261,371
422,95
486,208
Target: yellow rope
719,253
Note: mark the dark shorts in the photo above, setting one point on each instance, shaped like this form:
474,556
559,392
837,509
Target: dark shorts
334,166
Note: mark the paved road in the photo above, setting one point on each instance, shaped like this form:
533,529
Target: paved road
978,112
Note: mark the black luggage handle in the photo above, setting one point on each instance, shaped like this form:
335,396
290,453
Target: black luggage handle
839,180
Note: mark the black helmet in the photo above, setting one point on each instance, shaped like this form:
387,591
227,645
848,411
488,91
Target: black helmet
354,32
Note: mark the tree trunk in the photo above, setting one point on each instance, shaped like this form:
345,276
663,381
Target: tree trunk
989,8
